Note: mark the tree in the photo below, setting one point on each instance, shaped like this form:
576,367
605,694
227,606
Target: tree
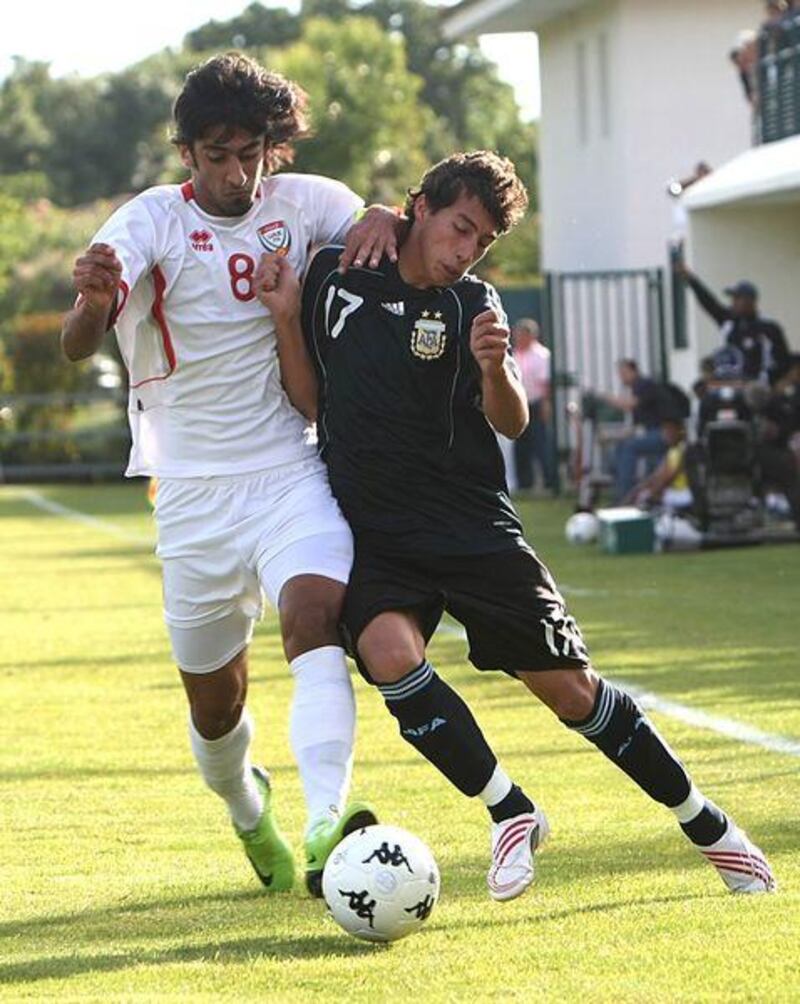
364,99
257,25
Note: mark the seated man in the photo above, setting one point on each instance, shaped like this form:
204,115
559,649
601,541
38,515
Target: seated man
643,401
668,485
412,379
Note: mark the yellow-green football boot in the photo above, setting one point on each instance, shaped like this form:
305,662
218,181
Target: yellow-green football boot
323,837
265,846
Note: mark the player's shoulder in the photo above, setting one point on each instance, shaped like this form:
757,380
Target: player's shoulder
298,189
325,258
160,198
156,202
322,265
477,295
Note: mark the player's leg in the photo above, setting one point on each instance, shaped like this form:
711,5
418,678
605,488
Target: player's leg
611,720
437,722
516,620
221,733
210,604
305,578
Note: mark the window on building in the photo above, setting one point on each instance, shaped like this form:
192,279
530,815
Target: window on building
582,91
603,85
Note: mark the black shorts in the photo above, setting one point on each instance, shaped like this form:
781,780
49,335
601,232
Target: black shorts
514,615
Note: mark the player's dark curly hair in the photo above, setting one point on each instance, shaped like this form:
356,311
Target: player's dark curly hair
484,174
234,91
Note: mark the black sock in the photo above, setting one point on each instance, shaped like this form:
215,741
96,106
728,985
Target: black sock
435,721
622,731
514,804
707,827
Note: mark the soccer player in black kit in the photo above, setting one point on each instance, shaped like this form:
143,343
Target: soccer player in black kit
407,370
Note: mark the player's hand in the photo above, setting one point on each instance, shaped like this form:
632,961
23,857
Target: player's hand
277,287
97,275
375,235
489,341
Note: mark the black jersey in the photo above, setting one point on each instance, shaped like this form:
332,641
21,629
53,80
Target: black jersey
412,459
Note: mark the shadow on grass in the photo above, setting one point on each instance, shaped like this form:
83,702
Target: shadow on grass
176,917
150,658
237,950
66,773
607,907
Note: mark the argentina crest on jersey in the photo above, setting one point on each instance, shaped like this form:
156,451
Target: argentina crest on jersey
429,336
275,237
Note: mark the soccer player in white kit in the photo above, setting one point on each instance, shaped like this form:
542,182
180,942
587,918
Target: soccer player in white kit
243,502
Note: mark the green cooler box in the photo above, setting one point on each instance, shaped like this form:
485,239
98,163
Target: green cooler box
626,530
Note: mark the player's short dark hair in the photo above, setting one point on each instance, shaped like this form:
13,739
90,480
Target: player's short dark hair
234,91
483,174
630,363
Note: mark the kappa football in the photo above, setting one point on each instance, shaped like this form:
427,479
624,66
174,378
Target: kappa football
400,501
381,883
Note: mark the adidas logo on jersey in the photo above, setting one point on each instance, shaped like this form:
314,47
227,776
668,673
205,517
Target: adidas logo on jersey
201,240
399,309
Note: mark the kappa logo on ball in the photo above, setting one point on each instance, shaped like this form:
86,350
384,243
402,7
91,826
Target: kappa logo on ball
275,237
429,336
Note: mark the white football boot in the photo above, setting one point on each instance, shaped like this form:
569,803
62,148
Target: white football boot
513,844
741,865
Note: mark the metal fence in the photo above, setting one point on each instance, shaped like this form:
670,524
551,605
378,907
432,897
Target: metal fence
595,319
55,436
778,81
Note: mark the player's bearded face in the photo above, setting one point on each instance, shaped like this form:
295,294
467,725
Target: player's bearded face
226,165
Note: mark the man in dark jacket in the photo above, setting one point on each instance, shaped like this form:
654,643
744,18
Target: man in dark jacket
762,343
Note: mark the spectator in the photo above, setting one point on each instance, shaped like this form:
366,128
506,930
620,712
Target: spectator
643,401
776,422
668,485
744,56
760,340
535,445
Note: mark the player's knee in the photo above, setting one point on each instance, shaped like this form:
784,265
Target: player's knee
310,625
217,699
389,651
574,700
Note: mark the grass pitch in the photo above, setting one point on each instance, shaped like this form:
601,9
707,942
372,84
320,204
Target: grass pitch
121,879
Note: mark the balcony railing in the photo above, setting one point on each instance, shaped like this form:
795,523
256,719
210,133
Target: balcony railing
778,81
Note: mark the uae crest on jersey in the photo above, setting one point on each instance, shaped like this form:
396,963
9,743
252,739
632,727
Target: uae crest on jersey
428,336
275,237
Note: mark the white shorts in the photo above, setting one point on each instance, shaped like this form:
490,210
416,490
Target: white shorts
222,541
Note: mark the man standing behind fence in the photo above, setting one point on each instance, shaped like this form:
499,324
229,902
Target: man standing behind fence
535,445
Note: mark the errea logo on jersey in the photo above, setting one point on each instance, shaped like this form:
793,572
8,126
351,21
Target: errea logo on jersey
201,240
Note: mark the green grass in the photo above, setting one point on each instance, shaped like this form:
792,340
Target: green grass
121,879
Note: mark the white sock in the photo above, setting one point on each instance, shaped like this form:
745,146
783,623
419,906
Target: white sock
691,807
498,786
322,729
224,764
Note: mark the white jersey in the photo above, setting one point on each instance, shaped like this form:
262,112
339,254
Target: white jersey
206,397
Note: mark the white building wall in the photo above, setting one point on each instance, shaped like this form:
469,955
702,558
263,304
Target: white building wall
757,241
660,94
581,184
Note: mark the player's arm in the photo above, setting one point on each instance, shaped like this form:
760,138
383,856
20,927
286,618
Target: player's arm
505,403
278,288
96,276
655,484
619,401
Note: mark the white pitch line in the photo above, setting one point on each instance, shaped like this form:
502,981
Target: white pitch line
691,716
104,526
